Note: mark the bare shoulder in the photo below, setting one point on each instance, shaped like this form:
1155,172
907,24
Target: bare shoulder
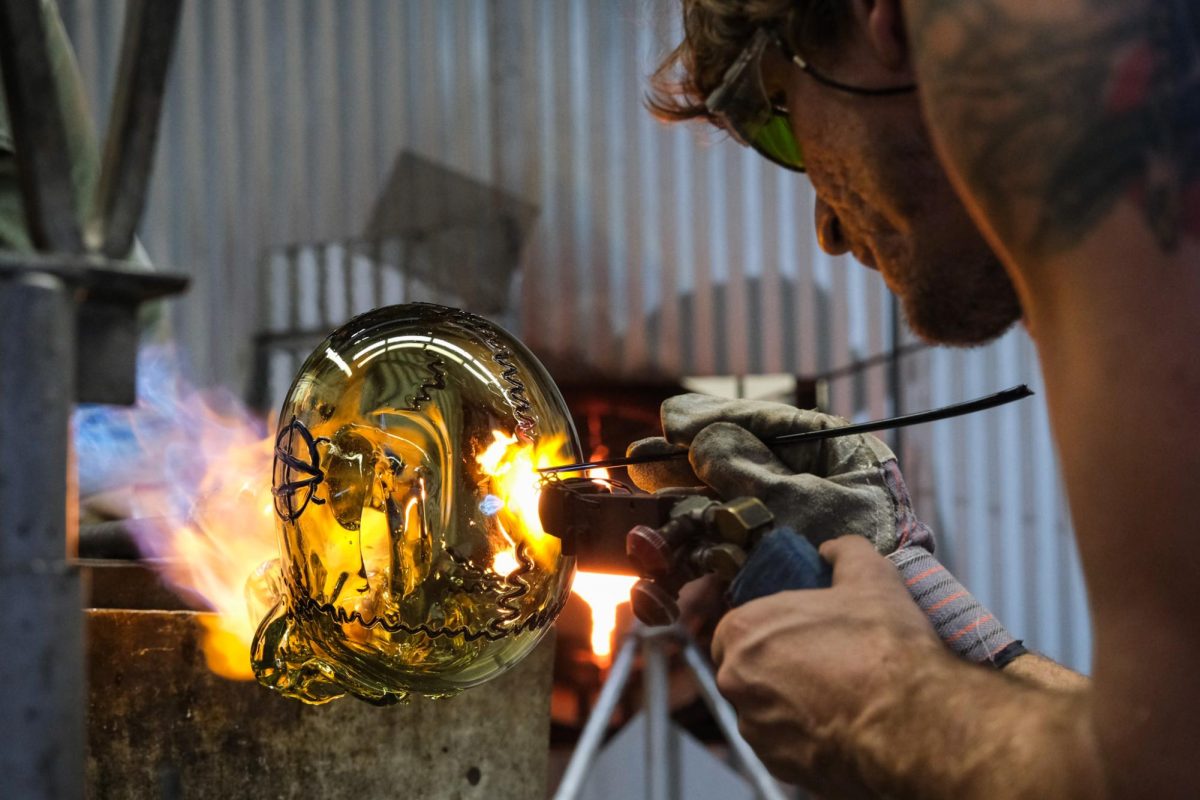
1052,114
1072,129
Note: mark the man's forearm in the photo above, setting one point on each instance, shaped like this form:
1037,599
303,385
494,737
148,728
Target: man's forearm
849,691
968,732
1037,670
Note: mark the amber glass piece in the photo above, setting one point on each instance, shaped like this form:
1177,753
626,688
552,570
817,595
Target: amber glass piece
411,558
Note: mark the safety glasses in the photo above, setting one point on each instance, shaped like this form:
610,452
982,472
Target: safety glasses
741,105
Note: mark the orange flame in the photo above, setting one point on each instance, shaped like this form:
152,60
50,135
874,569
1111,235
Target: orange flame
603,592
210,547
515,487
512,467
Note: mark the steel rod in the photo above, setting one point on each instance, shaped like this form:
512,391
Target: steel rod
971,406
662,773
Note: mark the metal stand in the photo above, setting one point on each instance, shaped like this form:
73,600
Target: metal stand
68,332
662,767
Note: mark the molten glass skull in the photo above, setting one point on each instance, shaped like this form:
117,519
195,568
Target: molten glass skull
406,486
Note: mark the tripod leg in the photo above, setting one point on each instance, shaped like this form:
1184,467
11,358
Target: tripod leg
726,719
593,732
662,769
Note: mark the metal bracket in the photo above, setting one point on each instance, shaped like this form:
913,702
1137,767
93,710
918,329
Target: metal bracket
108,295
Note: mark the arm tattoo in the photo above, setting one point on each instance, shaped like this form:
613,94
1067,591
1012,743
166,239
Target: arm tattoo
1054,122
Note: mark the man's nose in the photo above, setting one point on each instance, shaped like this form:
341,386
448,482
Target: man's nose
829,229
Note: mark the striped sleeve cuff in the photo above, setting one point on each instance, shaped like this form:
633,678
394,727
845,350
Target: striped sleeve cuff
961,621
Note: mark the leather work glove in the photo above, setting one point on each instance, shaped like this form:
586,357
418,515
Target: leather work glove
820,490
824,489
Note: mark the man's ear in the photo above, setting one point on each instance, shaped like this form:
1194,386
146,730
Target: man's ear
884,27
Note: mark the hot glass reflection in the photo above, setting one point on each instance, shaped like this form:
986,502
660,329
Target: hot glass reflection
405,485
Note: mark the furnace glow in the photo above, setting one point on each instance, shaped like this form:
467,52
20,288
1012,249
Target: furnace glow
603,592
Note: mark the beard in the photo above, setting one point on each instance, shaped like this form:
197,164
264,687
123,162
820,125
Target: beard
962,304
952,287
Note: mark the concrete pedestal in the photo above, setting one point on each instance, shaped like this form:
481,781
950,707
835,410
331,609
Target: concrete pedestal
161,725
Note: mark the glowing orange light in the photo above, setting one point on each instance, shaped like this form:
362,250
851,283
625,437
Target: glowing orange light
505,562
492,460
516,486
603,593
598,474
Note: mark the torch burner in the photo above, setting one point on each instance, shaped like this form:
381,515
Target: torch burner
667,540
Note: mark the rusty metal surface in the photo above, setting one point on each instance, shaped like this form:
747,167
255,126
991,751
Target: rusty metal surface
126,584
160,724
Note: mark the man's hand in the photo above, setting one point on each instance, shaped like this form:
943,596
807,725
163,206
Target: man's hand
807,671
849,484
849,692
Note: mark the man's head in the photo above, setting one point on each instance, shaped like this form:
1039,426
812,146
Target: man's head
882,194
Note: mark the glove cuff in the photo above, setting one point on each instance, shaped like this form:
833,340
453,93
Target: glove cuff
910,531
961,621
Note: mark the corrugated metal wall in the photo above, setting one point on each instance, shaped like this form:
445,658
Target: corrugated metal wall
989,485
658,250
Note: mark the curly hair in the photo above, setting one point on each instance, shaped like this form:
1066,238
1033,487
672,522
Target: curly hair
716,31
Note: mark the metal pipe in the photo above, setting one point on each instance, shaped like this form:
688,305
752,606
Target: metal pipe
945,412
895,380
41,673
726,719
593,732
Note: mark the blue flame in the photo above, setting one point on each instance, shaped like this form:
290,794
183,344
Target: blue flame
112,442
168,438
491,504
